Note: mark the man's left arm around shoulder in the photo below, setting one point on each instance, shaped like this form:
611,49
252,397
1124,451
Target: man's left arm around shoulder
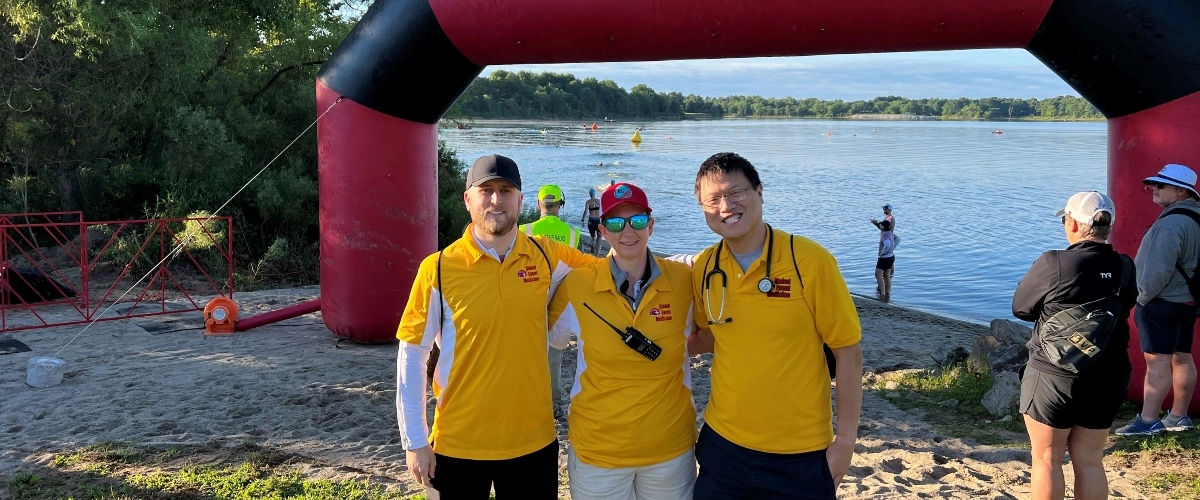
849,391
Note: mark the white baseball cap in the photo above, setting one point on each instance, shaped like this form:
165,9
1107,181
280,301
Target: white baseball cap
1084,207
1175,175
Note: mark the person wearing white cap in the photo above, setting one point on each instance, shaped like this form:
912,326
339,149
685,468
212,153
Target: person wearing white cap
1070,406
1165,315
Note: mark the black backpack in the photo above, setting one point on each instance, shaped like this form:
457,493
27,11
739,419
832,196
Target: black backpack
1074,338
1193,281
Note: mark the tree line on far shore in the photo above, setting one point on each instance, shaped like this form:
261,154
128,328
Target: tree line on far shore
527,95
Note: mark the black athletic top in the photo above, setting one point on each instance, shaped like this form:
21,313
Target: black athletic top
1061,279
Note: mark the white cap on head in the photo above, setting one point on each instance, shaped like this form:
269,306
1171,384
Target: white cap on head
1084,207
1175,175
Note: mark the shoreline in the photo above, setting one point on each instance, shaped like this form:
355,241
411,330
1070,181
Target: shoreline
509,122
296,389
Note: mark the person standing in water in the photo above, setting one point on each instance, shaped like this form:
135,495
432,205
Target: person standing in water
591,213
887,259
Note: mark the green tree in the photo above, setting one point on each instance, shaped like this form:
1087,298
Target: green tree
164,108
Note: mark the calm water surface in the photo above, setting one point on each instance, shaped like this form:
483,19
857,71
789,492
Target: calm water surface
973,209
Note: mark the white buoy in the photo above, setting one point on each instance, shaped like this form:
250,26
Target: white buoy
45,372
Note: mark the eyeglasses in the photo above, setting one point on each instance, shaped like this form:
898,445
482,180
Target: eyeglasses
1064,219
617,224
733,196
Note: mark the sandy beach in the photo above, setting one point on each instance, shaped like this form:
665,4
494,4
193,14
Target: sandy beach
295,389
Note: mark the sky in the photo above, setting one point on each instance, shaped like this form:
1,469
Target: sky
959,73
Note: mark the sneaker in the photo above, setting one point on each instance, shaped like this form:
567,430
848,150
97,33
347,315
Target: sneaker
1139,427
1177,424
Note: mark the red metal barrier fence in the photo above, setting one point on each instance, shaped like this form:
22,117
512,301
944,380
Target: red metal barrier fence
57,269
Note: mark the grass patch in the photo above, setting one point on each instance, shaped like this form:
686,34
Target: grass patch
1171,485
119,471
949,398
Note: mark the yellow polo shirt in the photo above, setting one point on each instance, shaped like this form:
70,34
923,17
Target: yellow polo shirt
626,410
491,377
770,383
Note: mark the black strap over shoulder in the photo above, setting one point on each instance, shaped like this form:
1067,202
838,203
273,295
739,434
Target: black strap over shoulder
441,308
544,256
1192,281
792,242
830,359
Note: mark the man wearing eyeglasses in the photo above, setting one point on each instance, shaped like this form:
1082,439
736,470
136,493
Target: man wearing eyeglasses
1165,312
770,300
483,300
632,422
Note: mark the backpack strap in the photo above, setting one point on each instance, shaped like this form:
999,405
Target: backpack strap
830,359
792,242
1191,214
441,308
544,256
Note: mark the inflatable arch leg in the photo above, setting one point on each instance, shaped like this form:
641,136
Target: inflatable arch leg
1138,146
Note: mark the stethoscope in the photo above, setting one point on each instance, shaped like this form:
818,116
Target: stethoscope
765,285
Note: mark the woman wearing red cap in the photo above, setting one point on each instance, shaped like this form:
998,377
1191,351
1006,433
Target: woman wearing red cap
632,420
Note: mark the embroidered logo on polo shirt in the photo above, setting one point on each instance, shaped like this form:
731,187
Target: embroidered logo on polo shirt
529,274
783,288
662,312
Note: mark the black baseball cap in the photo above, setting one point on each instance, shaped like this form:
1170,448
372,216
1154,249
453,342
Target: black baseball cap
493,167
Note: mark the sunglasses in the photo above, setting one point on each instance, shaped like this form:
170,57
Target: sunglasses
617,224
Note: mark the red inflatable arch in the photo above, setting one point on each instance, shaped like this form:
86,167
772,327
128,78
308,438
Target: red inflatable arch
407,61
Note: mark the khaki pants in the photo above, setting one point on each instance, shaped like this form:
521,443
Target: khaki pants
556,383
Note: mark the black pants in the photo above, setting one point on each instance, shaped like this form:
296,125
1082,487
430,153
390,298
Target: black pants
729,471
533,476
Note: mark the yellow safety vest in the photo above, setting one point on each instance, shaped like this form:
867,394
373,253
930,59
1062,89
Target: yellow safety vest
555,228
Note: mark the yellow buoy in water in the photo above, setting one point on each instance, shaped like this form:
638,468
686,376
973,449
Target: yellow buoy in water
637,136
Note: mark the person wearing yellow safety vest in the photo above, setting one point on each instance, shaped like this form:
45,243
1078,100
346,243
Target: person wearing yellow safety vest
770,300
632,421
550,201
483,300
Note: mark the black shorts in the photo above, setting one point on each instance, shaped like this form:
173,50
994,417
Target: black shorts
593,225
1165,327
529,476
885,263
1061,402
731,471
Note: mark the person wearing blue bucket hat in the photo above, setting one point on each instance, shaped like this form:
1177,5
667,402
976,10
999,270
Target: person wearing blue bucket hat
1166,311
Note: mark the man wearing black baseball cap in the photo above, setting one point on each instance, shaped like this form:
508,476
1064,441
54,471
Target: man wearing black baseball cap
483,301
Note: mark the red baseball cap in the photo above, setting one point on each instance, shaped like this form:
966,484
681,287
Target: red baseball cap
620,193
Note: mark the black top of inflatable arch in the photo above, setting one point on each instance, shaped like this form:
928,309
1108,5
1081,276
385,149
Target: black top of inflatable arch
1124,56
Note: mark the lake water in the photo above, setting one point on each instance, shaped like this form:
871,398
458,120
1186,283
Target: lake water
973,209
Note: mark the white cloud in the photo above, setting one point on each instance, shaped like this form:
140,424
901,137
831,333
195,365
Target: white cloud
965,73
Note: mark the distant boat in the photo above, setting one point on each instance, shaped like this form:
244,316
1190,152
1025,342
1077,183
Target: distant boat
997,132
